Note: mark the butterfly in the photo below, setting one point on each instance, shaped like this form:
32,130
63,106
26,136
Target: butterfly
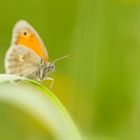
27,56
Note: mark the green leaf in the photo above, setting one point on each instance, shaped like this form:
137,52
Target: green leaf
43,111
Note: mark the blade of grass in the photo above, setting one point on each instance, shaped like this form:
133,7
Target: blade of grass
40,103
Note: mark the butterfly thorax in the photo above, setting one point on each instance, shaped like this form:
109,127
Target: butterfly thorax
44,68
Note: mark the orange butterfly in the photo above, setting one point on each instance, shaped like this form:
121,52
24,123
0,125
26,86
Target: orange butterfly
27,55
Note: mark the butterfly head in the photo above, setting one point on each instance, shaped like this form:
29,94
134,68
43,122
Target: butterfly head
50,67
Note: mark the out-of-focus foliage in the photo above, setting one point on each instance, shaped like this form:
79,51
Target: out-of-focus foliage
99,85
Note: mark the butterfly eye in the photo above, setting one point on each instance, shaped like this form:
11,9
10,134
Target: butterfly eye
51,67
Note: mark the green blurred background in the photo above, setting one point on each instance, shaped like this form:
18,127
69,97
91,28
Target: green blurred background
100,84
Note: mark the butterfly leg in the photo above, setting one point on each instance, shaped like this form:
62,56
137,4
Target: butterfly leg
52,81
15,82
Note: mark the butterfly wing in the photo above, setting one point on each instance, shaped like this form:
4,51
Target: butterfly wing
21,61
24,34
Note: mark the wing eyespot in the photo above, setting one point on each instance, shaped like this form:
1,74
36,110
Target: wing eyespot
25,33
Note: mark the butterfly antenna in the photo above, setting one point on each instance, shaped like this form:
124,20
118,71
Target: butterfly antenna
61,58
